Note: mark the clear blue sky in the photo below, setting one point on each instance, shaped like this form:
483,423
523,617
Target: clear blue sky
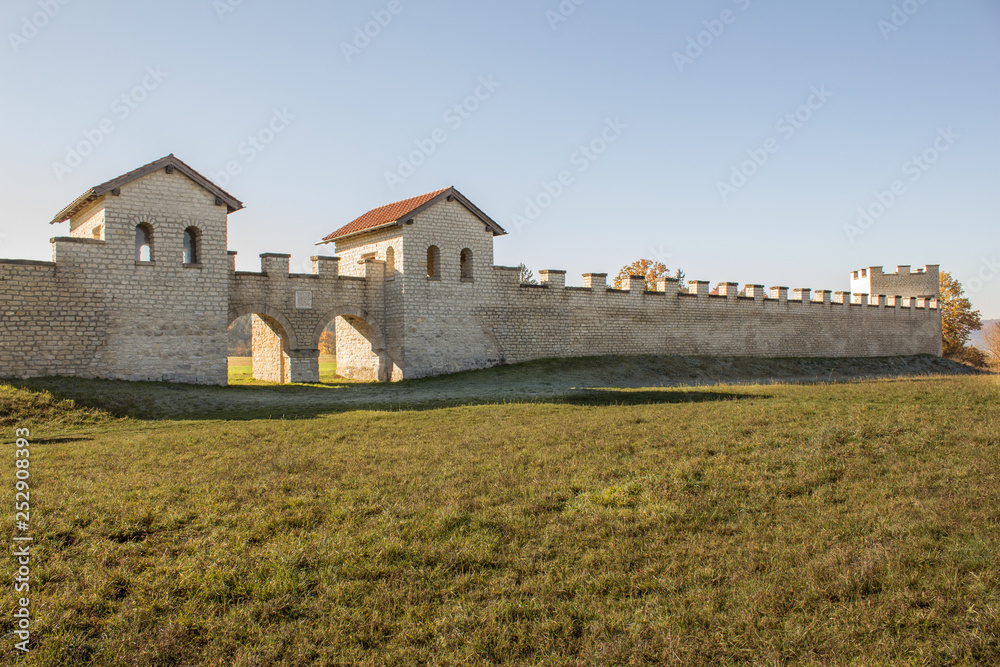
887,92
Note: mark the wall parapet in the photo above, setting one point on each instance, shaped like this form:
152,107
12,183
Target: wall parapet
727,292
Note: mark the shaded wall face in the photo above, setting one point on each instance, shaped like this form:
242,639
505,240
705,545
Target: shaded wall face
355,358
270,359
392,316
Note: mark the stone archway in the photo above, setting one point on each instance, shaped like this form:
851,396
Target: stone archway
361,347
274,347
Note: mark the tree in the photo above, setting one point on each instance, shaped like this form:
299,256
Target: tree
327,342
958,320
240,335
992,344
650,270
527,277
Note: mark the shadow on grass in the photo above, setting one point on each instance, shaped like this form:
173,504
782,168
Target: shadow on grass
612,397
581,381
150,401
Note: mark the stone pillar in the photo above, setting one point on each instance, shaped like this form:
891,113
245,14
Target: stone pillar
326,267
756,292
824,296
842,297
729,290
667,285
802,294
232,261
636,285
595,280
699,287
780,293
861,298
878,300
303,366
270,356
275,265
552,278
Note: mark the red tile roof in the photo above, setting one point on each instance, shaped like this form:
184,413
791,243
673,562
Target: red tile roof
384,215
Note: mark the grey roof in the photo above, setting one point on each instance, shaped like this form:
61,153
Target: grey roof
93,194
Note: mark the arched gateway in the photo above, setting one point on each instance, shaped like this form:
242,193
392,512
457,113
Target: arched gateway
144,288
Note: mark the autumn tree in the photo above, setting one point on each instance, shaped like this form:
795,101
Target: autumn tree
527,277
648,269
958,320
992,344
327,342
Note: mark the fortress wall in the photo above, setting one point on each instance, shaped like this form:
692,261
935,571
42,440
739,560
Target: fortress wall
297,307
49,324
538,322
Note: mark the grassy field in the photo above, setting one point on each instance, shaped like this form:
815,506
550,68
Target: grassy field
241,369
850,523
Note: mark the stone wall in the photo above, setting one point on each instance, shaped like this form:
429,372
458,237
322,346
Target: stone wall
96,311
298,307
444,327
271,362
107,315
555,321
923,282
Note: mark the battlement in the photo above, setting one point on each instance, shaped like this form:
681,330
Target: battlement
595,284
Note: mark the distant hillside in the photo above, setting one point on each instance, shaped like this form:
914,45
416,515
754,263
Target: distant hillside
977,336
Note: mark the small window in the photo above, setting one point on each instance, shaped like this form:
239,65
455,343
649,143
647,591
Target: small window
191,249
466,261
143,243
390,264
433,262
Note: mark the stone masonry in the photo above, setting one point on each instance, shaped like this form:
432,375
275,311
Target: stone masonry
413,292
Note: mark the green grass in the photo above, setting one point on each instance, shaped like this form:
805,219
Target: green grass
241,370
853,523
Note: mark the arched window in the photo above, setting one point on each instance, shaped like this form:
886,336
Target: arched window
143,243
192,253
433,262
466,261
390,263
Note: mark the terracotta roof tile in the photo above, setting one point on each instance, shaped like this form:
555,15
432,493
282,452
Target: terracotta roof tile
384,215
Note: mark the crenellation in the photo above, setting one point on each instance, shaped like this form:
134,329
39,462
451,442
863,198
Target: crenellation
698,287
275,264
552,278
325,267
728,290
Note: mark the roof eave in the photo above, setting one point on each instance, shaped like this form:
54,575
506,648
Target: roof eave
232,203
333,239
78,205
